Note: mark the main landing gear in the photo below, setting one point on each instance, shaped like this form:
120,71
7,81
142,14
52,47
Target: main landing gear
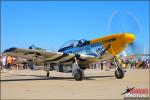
76,71
119,72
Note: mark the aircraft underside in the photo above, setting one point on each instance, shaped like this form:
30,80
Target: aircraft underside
77,71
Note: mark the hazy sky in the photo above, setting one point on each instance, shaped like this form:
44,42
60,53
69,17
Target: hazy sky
49,24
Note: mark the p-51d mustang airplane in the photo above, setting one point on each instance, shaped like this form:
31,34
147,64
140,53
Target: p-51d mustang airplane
76,55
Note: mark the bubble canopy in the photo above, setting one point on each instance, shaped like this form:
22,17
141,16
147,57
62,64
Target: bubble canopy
73,44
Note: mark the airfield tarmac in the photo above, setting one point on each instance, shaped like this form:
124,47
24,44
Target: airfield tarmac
98,84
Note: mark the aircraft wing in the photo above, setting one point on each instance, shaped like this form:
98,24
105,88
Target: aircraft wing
52,57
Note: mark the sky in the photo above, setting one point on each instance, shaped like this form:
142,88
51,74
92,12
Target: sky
49,24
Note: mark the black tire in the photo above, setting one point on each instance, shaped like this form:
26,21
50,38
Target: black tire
79,75
119,73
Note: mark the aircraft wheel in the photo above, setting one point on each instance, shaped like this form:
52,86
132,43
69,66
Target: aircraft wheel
119,73
79,75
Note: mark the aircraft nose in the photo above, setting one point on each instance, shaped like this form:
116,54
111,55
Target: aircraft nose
129,38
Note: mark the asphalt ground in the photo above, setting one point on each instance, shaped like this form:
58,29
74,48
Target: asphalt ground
97,84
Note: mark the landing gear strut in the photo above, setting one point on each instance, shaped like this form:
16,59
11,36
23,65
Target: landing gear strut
119,72
76,71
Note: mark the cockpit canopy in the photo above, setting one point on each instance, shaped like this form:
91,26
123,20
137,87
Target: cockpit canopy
73,44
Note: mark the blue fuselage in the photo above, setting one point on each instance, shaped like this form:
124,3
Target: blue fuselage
91,49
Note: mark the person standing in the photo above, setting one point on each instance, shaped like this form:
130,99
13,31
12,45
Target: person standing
9,63
4,58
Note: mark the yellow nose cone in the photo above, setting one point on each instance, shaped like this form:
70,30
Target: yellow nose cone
129,38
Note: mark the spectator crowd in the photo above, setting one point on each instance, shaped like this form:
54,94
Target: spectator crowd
125,63
9,63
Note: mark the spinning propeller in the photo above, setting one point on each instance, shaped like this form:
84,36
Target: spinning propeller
126,21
